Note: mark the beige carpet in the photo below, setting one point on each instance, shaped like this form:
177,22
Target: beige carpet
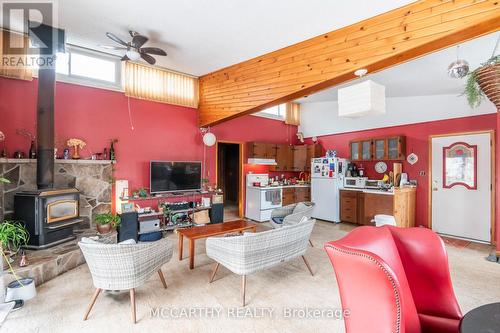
61,302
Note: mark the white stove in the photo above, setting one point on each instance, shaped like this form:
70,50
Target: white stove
261,200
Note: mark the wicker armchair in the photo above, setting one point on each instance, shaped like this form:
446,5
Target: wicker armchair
288,217
124,266
253,252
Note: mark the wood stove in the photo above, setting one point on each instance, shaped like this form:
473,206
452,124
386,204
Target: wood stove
49,215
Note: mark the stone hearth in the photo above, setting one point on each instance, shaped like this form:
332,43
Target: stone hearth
92,178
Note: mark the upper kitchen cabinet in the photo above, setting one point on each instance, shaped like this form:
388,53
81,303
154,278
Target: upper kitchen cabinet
384,148
366,150
300,158
288,158
284,158
380,149
361,150
313,151
355,150
261,150
396,148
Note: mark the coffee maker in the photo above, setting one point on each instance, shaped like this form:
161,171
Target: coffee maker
352,170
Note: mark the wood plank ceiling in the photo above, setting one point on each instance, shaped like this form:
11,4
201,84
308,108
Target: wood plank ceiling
330,59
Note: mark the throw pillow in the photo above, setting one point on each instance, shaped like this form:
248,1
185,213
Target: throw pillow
301,207
128,241
278,220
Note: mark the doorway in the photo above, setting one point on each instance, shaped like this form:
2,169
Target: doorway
462,185
229,179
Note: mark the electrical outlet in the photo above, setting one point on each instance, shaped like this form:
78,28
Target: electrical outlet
421,173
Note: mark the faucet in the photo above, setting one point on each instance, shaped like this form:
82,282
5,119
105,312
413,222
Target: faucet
302,173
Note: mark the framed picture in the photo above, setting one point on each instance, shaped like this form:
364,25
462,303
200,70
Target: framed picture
127,207
460,165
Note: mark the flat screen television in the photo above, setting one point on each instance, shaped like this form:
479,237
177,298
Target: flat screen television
174,176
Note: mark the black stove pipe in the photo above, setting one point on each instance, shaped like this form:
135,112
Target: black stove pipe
53,41
45,128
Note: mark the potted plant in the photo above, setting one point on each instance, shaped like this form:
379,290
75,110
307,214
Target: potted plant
484,81
140,193
106,221
13,235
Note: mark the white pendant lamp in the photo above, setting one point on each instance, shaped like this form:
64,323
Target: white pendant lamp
209,139
362,99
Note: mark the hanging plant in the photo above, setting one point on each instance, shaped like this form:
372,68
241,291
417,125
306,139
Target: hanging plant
484,81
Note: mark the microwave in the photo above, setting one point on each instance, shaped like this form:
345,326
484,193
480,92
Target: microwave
355,182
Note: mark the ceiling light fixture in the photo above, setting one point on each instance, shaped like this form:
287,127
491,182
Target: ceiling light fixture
459,68
132,54
366,98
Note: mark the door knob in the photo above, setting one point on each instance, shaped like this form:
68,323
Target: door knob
434,185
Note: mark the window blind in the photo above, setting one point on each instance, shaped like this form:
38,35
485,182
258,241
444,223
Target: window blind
17,64
160,85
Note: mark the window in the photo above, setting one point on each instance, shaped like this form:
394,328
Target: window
87,67
276,112
160,85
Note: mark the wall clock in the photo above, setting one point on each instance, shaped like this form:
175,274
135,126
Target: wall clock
381,167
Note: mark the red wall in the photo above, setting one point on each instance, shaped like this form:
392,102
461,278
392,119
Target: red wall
417,141
161,131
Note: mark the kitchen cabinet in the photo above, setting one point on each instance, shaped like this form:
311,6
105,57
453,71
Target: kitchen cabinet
360,206
354,149
300,158
291,195
261,150
380,149
366,150
295,158
284,158
349,206
302,194
288,196
313,151
396,148
383,148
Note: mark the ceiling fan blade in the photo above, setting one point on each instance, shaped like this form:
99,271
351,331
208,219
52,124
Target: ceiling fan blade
116,39
124,58
153,50
139,40
148,58
111,47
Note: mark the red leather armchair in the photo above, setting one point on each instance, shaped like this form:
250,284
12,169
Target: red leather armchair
394,280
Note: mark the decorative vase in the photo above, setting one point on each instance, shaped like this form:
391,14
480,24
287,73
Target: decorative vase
75,153
104,228
488,79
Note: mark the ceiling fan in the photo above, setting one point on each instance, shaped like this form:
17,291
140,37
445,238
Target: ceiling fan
134,50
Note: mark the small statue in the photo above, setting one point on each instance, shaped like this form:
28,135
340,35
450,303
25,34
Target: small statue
66,153
76,143
24,261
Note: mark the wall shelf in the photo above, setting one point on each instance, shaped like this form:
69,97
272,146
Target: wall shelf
56,161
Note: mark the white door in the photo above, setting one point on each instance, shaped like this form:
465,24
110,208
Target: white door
462,185
325,195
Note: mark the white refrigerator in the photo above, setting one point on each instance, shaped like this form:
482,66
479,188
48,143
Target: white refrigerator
327,176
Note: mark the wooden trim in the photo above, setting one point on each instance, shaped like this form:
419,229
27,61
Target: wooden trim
493,177
327,60
240,167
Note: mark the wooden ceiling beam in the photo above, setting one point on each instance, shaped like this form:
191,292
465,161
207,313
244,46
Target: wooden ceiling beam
321,62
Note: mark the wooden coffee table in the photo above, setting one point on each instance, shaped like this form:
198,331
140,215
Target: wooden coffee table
195,233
